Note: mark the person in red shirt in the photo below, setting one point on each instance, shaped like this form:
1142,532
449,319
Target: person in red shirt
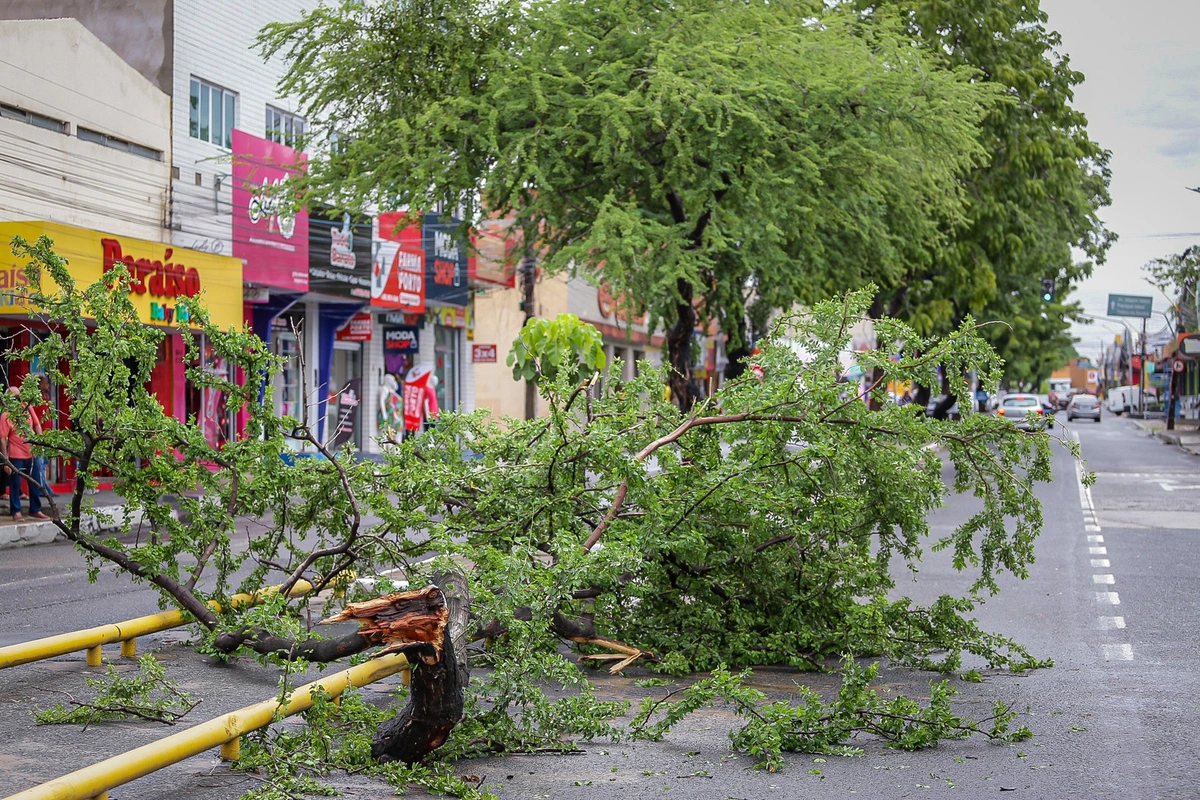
17,458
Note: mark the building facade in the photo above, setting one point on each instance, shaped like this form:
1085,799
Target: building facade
86,142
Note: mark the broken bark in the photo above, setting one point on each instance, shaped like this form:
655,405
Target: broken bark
439,682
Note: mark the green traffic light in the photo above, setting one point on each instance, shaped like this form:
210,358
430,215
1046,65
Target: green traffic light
1047,297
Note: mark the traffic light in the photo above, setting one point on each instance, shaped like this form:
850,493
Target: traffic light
1047,290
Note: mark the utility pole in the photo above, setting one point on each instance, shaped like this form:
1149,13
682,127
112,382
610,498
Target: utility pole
528,275
1142,373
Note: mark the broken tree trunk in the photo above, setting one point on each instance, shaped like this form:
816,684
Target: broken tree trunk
428,627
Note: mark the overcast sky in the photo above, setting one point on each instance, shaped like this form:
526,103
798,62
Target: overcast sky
1141,94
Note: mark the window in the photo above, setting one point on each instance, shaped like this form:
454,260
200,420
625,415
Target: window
285,128
89,135
212,113
33,118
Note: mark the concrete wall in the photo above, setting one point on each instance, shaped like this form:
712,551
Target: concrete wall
498,320
214,41
59,69
139,31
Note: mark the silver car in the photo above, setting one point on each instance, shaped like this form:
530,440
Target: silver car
1025,410
1083,406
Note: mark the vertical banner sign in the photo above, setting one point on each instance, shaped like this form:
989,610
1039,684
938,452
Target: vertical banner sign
398,268
339,255
446,264
348,402
398,342
269,234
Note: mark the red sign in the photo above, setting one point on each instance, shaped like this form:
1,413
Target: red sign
1178,365
356,329
398,272
483,354
269,235
161,280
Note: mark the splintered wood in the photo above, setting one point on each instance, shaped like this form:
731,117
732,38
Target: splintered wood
400,619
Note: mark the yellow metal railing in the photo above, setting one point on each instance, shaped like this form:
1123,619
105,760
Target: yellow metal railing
96,780
91,639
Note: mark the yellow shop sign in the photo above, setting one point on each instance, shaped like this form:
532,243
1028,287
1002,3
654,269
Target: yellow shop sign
161,274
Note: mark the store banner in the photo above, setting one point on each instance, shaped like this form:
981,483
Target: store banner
446,261
160,274
270,234
357,328
398,271
399,343
339,254
495,251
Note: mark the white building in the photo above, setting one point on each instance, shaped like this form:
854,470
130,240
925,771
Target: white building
212,80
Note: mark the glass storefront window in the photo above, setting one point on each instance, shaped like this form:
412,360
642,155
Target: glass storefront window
344,408
445,353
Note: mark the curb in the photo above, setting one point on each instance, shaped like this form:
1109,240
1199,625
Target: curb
23,534
102,519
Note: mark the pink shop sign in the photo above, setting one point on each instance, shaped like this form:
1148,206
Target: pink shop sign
270,235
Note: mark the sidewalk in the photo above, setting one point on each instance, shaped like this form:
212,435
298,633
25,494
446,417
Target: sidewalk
21,533
1185,435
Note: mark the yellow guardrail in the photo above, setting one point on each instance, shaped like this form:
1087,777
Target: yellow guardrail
96,780
91,639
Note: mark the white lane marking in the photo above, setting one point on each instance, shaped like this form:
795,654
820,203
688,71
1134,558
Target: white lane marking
1118,652
1091,526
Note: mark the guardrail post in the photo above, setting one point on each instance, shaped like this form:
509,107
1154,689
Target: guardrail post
129,648
232,750
94,656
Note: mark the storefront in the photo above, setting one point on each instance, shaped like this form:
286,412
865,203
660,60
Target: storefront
161,275
339,275
270,236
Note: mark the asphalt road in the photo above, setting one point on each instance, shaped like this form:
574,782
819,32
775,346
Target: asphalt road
1111,599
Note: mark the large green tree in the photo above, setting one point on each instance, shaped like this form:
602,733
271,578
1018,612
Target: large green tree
719,160
1032,208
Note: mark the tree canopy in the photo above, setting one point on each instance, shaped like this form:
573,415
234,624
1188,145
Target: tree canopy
717,159
1031,207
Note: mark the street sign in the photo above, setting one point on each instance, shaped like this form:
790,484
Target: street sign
1177,365
1093,376
1130,305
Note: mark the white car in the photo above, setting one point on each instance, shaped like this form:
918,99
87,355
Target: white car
1026,412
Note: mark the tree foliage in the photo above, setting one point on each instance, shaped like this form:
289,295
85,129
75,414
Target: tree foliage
547,347
715,159
768,524
1029,207
1178,276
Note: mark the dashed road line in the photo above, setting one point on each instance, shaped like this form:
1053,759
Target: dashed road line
1113,651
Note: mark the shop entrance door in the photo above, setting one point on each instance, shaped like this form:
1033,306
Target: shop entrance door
344,410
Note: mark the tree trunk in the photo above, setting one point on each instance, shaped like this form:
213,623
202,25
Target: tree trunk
439,684
679,349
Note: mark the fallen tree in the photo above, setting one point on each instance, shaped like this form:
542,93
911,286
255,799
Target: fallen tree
765,524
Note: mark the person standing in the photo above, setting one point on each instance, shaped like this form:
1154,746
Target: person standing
18,458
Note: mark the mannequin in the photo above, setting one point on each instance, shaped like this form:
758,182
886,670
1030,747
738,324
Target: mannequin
391,408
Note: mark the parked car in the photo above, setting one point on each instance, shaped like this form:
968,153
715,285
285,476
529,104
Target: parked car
1083,406
1026,412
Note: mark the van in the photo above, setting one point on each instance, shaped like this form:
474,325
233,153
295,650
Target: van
1122,399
